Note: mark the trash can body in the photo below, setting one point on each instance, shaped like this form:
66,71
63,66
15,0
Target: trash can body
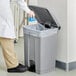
40,41
40,47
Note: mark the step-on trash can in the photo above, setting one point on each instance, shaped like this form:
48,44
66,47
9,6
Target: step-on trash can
40,42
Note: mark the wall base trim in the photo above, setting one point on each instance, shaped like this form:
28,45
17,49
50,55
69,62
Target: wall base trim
62,65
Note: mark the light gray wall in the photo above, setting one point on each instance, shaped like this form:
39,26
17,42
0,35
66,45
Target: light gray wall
33,2
71,30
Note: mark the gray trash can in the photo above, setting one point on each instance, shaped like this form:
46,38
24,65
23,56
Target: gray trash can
40,47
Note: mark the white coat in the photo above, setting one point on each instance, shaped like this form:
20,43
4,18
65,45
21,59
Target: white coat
6,18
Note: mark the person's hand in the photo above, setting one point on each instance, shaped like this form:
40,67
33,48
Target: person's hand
31,14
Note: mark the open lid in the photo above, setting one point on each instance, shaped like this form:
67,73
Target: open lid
43,16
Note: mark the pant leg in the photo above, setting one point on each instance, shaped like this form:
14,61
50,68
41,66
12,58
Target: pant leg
9,52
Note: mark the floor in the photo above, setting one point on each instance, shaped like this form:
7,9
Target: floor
19,47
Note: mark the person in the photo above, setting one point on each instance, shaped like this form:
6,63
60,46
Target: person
7,34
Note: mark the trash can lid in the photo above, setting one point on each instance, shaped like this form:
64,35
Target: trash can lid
43,16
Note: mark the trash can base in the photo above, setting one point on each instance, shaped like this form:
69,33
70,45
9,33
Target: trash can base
45,71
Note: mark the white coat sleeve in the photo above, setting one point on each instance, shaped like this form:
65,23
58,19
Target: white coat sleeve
23,5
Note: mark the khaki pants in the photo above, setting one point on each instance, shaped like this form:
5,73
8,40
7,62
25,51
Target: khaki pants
8,52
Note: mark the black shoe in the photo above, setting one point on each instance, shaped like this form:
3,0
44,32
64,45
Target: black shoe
20,68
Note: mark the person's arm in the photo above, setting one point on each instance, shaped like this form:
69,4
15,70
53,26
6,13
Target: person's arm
23,5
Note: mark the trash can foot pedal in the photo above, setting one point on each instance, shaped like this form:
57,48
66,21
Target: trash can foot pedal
32,66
